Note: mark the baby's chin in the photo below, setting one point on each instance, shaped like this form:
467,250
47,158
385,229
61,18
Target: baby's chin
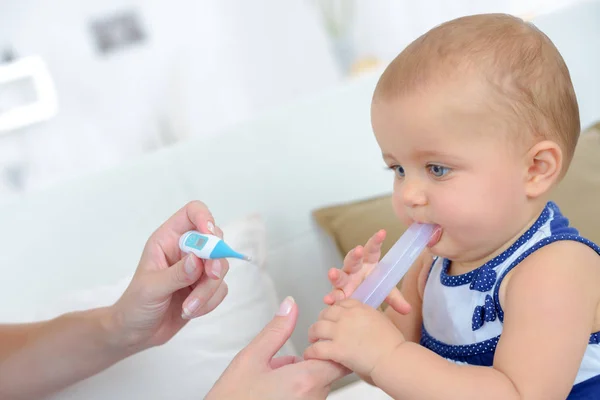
446,248
440,246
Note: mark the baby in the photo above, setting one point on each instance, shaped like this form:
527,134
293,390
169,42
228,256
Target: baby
478,120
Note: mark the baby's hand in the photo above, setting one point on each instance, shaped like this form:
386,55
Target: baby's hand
359,263
353,334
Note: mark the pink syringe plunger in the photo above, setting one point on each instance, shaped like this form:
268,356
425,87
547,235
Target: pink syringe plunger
394,265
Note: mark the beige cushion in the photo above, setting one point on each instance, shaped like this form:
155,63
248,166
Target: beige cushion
354,223
578,195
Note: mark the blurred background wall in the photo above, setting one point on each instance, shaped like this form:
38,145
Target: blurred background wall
89,84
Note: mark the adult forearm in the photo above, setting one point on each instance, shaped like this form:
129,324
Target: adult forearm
41,358
407,374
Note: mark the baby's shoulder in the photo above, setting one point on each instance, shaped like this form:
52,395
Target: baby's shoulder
568,262
564,255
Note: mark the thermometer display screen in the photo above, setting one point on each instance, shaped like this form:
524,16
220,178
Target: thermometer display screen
200,242
196,241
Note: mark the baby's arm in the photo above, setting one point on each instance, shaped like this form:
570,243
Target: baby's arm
358,263
550,304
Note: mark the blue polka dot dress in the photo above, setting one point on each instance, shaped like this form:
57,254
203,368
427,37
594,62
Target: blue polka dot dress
462,316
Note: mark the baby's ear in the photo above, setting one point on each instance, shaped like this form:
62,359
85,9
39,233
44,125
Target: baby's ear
544,165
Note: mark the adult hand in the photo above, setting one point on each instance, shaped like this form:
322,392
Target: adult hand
169,287
255,374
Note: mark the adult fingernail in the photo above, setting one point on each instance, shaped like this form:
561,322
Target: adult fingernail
190,308
189,266
217,268
286,306
211,227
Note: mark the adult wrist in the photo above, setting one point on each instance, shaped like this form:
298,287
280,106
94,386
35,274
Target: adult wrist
118,339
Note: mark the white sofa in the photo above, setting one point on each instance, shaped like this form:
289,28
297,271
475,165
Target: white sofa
75,245
86,236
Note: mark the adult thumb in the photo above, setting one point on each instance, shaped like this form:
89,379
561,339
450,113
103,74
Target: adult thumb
273,336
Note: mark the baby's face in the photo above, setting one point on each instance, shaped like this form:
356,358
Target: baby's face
452,167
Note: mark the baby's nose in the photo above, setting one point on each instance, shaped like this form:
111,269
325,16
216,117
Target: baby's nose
413,193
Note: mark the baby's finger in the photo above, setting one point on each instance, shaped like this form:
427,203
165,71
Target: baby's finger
338,278
353,260
321,330
373,247
398,302
334,296
328,299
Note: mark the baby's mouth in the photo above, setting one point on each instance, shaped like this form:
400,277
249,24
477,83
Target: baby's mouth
435,237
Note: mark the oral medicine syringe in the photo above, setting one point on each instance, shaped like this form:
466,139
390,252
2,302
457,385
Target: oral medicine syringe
394,265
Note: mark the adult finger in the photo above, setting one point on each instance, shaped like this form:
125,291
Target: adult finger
279,362
213,302
199,297
195,215
184,273
216,269
217,232
274,335
324,372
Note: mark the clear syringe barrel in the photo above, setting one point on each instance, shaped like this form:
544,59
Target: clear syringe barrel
394,265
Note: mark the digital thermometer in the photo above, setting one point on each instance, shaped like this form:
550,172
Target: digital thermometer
207,246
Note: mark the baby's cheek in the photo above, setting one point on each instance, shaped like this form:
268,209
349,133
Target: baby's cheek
454,215
398,207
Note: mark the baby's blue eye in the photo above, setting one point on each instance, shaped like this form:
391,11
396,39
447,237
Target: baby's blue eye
399,171
438,171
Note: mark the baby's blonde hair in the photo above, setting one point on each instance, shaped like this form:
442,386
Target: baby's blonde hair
530,81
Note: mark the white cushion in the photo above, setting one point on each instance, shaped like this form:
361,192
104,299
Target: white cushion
188,365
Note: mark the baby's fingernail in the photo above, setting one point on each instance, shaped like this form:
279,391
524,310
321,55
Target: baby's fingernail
190,266
190,308
211,227
286,306
217,268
